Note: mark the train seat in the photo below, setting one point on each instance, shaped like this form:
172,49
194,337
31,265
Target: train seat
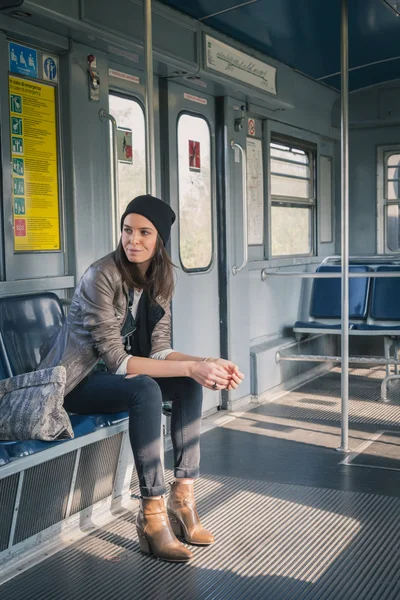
105,420
384,313
81,424
373,305
4,457
385,304
325,307
26,322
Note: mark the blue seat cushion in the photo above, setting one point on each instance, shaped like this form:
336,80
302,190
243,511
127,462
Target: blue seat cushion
316,325
383,328
105,420
385,301
81,424
326,294
4,458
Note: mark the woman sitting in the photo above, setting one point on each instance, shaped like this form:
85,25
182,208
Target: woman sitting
120,313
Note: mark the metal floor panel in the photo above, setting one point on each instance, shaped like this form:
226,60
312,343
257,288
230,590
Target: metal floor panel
273,541
382,453
319,400
293,440
291,522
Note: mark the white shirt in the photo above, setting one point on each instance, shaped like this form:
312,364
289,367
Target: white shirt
122,369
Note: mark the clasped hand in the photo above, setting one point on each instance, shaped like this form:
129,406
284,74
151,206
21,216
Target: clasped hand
217,374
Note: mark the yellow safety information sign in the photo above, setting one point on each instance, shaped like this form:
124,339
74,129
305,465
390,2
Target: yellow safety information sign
34,165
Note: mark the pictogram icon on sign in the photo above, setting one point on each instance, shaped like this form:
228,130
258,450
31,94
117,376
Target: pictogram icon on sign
49,68
16,125
19,206
17,145
251,127
20,227
23,60
18,166
15,103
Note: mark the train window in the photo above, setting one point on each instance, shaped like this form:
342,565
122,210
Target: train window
131,148
292,199
291,230
195,197
392,200
393,176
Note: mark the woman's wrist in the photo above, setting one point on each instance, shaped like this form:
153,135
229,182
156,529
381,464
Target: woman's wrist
189,366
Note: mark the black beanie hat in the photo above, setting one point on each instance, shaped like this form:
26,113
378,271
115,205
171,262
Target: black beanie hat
155,210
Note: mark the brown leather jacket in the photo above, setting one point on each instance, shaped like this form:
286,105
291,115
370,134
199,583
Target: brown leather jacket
92,329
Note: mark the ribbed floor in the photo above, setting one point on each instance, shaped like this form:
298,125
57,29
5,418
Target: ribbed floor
320,399
381,453
291,523
273,541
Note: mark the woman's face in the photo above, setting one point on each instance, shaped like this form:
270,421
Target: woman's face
139,240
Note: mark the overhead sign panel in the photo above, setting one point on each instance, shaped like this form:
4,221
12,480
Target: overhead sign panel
29,62
240,66
125,76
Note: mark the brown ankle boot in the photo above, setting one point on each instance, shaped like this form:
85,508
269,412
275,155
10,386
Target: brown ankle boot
155,533
182,512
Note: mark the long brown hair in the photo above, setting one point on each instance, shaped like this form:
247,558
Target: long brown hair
159,280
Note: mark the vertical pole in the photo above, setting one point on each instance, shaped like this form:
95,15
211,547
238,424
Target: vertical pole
115,215
344,447
104,116
149,98
149,121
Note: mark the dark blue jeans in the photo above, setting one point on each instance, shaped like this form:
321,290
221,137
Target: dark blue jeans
142,396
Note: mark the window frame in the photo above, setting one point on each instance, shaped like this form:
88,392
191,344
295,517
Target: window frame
209,267
138,100
383,202
387,156
310,203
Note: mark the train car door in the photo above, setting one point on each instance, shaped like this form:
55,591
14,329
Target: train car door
191,147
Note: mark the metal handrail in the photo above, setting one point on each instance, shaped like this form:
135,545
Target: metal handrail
105,116
235,269
338,275
367,257
363,360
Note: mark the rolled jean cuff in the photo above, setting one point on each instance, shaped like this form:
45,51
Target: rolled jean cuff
188,473
159,490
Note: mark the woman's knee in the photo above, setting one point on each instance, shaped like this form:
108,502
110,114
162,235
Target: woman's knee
145,390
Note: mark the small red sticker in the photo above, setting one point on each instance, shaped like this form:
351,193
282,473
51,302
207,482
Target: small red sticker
251,127
20,227
194,156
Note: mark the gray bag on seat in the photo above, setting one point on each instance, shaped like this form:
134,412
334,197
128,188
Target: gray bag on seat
31,406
